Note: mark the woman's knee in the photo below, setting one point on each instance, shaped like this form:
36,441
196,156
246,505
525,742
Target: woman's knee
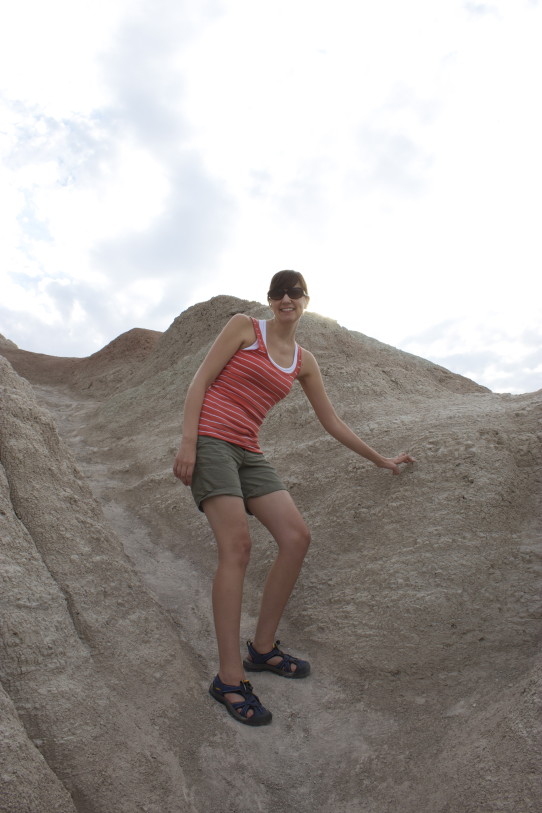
305,539
227,518
298,541
235,550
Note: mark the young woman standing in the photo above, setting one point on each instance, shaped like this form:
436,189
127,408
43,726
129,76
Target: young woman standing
250,367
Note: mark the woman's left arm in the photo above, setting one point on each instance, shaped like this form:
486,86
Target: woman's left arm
311,380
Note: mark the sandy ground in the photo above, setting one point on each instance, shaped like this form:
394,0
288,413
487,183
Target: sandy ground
418,605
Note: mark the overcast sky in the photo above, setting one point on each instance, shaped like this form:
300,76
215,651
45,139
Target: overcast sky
155,154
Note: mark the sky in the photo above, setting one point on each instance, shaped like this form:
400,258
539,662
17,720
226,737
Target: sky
156,154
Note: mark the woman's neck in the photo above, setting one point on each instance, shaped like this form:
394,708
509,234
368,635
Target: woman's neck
282,332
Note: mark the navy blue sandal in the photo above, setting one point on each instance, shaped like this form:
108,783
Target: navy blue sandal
240,710
259,662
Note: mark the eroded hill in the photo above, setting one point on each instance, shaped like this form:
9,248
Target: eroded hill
418,606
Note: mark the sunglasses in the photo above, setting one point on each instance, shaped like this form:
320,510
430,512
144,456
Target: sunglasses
293,293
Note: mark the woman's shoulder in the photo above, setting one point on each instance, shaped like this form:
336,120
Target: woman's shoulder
243,327
308,362
240,321
241,318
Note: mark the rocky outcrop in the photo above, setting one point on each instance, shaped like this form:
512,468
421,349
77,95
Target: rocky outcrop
419,603
90,662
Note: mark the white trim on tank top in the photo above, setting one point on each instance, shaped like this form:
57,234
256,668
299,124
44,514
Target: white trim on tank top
263,327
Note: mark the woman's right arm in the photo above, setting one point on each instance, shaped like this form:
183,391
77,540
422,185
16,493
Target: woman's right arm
238,333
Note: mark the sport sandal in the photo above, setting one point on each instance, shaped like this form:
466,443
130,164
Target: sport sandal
240,709
259,662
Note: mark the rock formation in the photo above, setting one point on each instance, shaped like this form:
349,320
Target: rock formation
418,605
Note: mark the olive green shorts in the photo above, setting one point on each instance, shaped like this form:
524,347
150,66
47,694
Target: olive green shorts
224,468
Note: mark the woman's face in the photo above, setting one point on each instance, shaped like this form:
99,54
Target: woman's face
288,308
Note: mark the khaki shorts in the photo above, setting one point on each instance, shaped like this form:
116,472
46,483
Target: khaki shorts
224,468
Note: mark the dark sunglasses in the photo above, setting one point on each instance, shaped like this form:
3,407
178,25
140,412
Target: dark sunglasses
293,293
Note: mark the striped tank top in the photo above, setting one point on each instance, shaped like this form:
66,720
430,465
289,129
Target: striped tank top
245,390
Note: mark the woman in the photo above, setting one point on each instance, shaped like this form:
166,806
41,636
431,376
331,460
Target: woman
250,367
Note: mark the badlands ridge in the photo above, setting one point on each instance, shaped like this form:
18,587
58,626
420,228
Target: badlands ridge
418,606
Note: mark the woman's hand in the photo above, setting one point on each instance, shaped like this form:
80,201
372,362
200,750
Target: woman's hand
183,466
393,463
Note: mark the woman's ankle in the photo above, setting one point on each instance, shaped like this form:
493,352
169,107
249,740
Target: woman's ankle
231,677
264,647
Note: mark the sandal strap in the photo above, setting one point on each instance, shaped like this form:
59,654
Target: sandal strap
285,664
228,688
250,700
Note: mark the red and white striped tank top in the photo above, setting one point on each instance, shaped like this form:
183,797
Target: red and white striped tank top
245,390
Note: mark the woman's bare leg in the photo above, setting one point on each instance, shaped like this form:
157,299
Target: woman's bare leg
228,521
278,512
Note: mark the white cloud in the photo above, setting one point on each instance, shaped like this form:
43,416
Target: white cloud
49,52
496,355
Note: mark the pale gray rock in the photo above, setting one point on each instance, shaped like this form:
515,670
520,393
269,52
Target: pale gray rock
26,781
418,605
7,343
89,660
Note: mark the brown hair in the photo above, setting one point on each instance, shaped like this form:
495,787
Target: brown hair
288,279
